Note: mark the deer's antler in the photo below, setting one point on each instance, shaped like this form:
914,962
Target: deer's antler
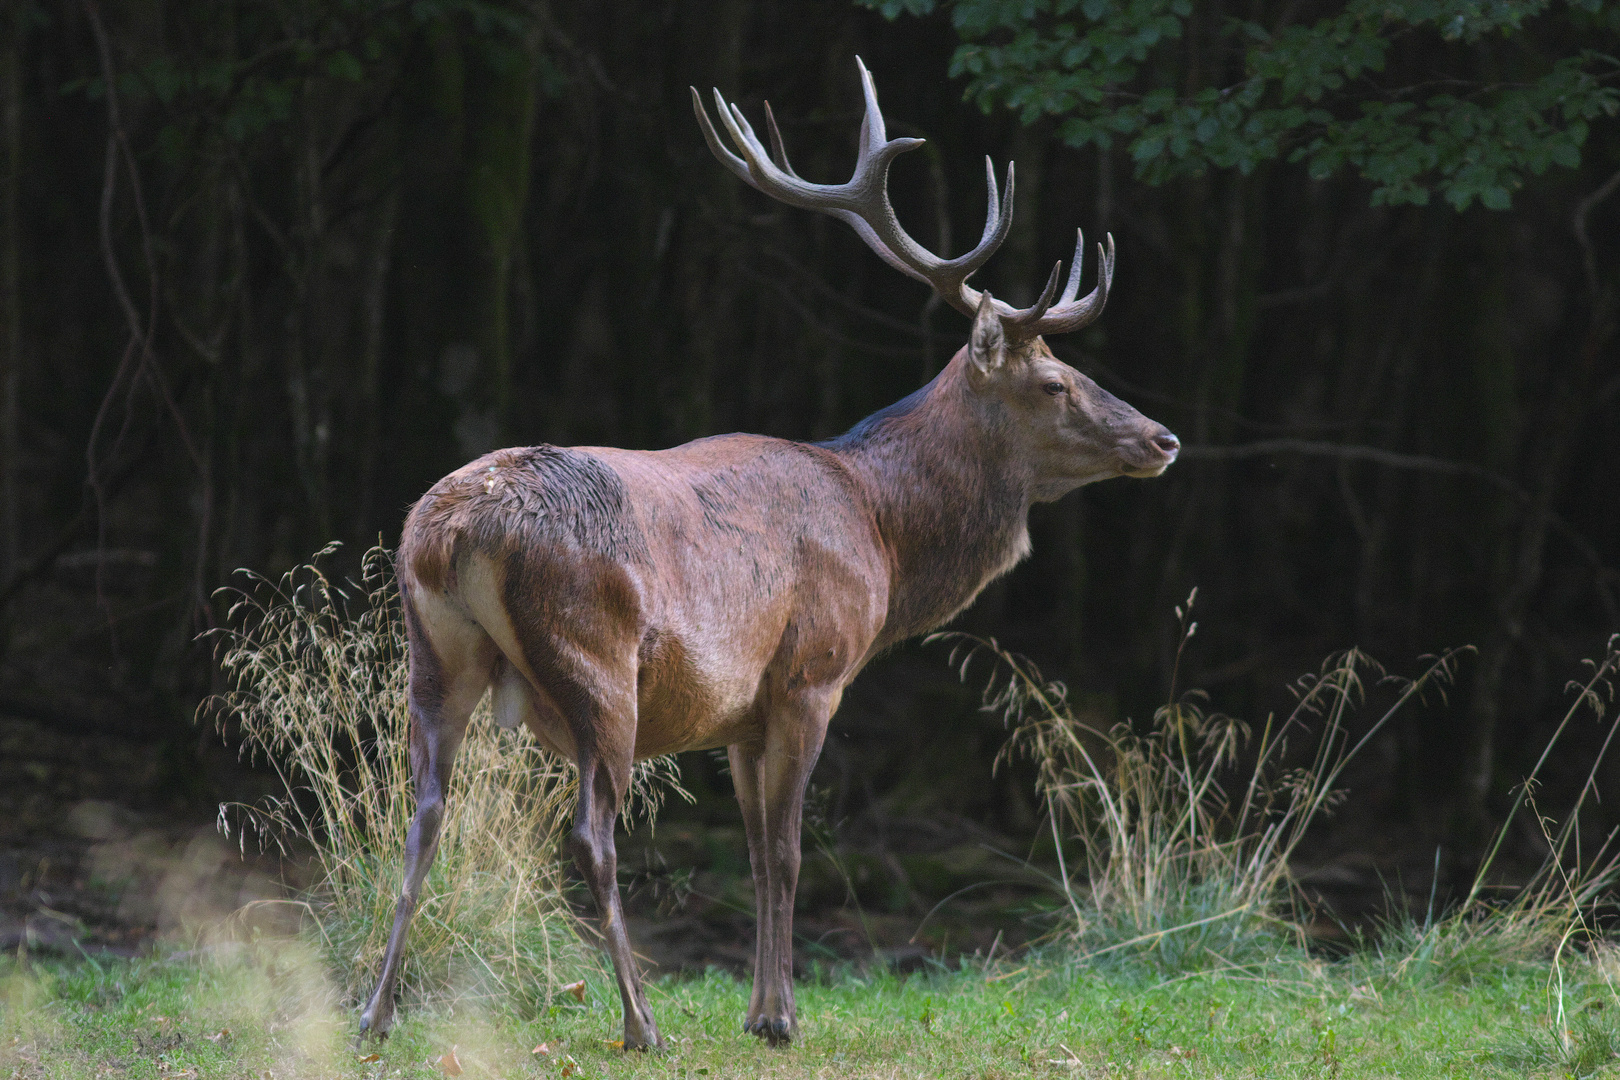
863,203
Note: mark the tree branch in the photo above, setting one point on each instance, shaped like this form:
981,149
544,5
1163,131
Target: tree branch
1588,257
1417,463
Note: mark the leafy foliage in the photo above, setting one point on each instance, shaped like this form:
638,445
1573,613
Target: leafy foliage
245,76
1456,97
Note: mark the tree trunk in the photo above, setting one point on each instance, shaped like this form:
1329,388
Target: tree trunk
498,191
12,37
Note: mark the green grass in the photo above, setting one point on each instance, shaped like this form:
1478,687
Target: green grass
1175,952
271,1013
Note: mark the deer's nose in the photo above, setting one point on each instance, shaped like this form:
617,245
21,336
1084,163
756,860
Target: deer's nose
1168,443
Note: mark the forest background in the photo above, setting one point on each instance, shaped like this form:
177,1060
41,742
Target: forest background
269,269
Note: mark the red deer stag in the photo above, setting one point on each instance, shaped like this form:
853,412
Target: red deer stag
625,604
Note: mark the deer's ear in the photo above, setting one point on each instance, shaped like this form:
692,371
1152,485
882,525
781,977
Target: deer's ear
987,348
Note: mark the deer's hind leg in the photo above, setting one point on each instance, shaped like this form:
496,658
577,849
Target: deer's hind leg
451,659
604,780
599,709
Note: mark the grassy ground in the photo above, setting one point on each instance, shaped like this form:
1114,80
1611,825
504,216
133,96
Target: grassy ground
1179,908
270,1015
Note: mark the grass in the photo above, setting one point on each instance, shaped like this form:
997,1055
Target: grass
1182,829
319,692
257,1014
1173,950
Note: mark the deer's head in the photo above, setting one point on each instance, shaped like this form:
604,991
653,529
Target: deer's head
1070,430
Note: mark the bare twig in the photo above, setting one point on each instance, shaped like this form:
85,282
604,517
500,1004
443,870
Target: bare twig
1604,573
785,295
138,359
1582,212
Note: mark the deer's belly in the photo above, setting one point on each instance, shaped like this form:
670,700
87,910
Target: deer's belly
692,694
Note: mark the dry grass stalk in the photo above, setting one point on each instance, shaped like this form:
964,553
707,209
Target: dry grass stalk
319,673
1175,861
1556,909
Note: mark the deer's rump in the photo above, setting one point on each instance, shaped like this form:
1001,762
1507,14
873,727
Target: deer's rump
684,590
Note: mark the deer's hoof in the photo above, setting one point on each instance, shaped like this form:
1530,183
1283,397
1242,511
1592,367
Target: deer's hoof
778,1031
372,1026
368,1028
641,1032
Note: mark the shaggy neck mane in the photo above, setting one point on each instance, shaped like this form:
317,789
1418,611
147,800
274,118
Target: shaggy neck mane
943,551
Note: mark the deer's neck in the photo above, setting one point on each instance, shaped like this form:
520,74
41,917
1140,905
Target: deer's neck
951,496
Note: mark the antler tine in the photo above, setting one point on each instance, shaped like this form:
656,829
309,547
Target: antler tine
1071,288
1017,325
1023,324
997,222
742,133
874,133
1071,314
778,148
710,136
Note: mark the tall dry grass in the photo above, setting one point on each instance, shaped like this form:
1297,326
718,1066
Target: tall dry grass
1183,860
319,693
1548,915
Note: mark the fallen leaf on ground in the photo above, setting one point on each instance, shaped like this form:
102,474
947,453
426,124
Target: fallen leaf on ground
570,1066
450,1063
219,1036
578,990
613,1044
369,1058
541,1049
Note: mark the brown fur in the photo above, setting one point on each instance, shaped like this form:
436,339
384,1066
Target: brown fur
627,604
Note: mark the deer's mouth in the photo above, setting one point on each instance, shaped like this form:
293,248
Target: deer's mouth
1151,456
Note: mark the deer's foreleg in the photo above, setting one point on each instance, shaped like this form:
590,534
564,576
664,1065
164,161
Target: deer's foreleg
778,774
747,777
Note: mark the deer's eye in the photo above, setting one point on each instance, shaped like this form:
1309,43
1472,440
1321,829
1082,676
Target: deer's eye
1053,388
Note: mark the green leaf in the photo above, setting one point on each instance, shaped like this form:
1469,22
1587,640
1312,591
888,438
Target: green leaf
893,9
1523,79
343,65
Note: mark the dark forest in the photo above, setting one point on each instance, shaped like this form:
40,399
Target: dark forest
269,270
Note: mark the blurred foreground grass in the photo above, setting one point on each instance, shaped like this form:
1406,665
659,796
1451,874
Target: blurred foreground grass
269,1012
